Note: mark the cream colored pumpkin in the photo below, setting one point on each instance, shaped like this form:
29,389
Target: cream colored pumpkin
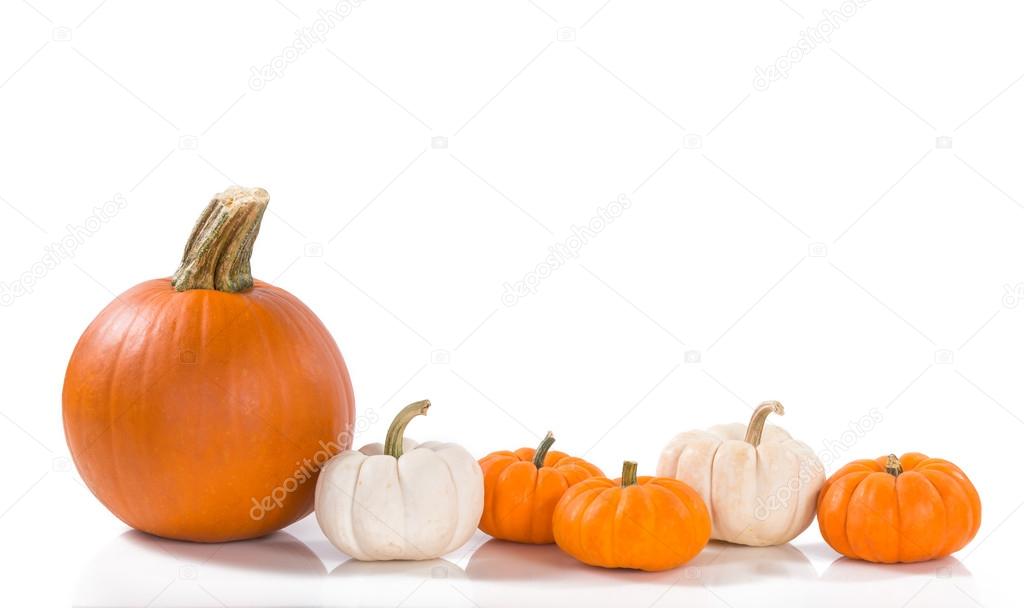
759,484
400,500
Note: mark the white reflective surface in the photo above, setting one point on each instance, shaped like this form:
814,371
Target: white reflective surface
299,568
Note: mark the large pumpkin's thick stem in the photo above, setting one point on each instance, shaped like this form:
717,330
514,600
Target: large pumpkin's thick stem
542,450
756,425
893,466
395,439
217,254
628,473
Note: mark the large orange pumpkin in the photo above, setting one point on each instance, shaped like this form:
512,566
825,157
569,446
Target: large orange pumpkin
644,523
200,407
906,509
521,489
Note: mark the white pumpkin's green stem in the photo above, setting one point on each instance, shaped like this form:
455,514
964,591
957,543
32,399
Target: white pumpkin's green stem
217,254
756,426
542,450
395,439
893,466
628,473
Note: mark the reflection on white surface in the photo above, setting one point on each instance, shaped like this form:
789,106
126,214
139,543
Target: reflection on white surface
501,561
399,583
428,568
137,569
846,570
937,583
737,575
510,574
766,566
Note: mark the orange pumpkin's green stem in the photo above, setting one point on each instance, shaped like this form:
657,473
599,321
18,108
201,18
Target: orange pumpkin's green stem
893,466
628,473
217,254
542,450
756,426
395,439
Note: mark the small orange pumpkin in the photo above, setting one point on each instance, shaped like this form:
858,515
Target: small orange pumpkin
645,523
906,509
521,489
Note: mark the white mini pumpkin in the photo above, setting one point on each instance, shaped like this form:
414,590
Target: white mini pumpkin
400,500
759,484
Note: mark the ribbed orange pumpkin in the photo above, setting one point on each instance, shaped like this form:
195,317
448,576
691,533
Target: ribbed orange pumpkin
521,489
200,407
645,523
906,509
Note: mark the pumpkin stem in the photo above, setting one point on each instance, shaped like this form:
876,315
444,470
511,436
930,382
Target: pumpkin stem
217,254
542,450
756,425
628,473
393,443
893,466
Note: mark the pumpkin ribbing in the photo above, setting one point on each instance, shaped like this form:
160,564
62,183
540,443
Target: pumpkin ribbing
643,523
522,487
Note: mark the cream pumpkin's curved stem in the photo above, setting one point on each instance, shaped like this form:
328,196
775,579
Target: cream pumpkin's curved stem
217,254
756,426
542,450
893,466
628,474
395,439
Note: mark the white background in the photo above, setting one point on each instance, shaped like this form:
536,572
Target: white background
814,242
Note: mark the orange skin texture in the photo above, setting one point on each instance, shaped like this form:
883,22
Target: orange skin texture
520,499
182,408
928,511
657,524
